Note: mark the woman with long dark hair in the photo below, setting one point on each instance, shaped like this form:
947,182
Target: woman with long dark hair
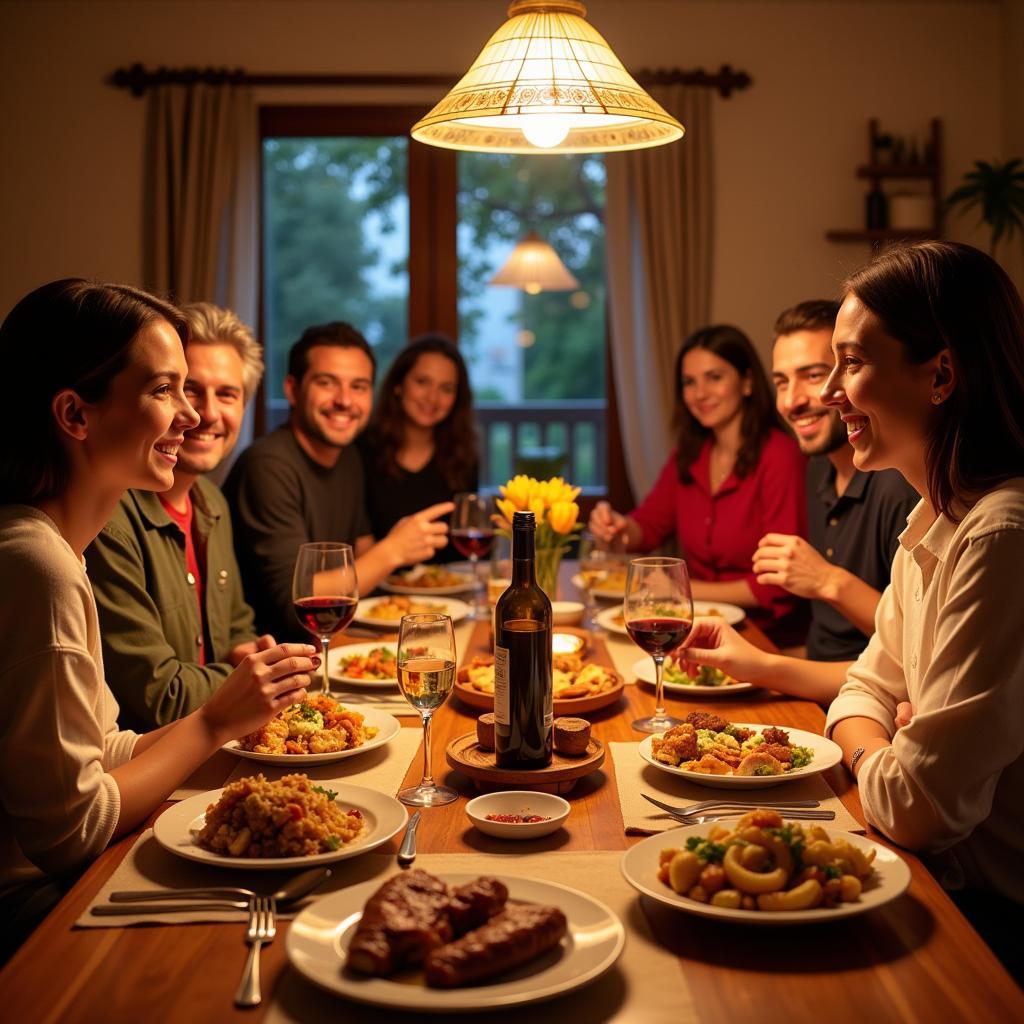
929,379
734,476
421,447
98,407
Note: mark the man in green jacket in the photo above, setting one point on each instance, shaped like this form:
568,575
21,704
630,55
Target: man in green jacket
173,616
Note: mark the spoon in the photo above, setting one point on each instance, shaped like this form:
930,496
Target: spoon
294,889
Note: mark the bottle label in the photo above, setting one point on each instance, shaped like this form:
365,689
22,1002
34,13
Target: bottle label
502,712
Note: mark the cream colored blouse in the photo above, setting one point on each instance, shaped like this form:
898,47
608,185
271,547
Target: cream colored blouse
949,638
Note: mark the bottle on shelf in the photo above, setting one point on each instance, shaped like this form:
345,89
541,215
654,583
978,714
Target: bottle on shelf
876,209
523,703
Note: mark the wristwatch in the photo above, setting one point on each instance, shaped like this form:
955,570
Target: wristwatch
857,755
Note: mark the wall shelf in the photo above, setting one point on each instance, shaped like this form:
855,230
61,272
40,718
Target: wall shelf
875,172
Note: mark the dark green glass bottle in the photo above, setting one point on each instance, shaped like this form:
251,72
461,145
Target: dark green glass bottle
523,712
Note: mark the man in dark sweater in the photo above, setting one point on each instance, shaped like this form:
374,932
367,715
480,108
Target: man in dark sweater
304,481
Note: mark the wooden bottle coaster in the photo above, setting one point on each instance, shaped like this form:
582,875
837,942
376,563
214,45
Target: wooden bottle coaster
464,754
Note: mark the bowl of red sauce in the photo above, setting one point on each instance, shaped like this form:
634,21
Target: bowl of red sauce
517,814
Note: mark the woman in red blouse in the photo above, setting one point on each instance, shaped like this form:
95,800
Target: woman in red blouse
733,476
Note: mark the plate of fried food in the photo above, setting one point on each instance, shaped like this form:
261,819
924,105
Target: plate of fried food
454,943
762,870
610,586
708,749
387,612
429,579
578,685
289,823
371,664
317,729
709,682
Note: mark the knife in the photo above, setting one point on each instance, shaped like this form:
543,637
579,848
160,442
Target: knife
407,851
129,909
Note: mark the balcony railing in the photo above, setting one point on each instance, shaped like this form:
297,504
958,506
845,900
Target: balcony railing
543,438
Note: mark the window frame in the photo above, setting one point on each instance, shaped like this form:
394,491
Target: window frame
433,255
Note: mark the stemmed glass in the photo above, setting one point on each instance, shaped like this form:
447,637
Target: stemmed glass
426,674
658,610
472,533
325,592
595,565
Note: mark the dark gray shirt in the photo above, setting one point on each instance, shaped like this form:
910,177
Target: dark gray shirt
280,499
858,532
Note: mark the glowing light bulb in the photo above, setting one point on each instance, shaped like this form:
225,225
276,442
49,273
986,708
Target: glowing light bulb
544,130
532,288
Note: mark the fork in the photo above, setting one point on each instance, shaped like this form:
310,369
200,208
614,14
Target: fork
745,805
262,928
700,819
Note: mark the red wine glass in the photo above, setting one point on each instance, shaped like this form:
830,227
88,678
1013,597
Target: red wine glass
325,592
658,611
472,532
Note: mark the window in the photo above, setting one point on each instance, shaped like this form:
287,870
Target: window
361,224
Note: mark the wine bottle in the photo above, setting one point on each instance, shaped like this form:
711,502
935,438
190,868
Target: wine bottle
523,709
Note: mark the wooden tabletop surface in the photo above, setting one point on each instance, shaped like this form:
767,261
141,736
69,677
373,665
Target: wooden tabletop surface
916,959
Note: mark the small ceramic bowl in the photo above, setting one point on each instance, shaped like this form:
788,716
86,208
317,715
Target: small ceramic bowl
566,613
521,802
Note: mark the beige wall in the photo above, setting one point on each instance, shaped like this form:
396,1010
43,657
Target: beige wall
70,175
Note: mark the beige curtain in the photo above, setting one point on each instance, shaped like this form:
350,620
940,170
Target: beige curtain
201,217
200,195
658,232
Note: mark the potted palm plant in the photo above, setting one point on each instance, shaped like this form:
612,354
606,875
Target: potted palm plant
999,190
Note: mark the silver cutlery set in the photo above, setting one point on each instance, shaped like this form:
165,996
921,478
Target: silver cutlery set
262,924
712,810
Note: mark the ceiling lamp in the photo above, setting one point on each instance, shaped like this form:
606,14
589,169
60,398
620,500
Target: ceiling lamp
535,267
547,82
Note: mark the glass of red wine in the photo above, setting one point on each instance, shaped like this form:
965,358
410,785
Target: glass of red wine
325,592
658,610
472,532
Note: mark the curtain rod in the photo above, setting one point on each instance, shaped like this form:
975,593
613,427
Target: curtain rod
137,79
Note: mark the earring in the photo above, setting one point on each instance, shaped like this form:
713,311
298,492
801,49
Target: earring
936,397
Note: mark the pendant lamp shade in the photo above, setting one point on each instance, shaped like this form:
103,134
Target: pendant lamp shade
547,81
535,267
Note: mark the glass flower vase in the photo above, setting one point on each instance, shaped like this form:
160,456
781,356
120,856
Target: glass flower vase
548,561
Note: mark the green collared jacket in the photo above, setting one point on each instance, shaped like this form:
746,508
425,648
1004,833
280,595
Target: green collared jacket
149,616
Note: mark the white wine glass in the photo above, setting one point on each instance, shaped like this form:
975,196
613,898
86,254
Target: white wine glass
472,532
596,564
658,611
426,674
325,593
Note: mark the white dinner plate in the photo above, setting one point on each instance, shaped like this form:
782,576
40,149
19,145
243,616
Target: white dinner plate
639,866
643,669
337,672
465,583
175,830
319,937
387,725
458,610
826,755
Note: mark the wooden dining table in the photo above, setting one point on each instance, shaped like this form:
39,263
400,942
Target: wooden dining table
916,959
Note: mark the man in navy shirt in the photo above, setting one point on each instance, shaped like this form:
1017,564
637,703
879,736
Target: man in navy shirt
854,518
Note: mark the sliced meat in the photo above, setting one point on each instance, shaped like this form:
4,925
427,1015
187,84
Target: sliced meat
516,936
475,903
402,921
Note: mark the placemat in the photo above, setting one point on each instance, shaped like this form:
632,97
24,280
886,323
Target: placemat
634,776
646,984
149,866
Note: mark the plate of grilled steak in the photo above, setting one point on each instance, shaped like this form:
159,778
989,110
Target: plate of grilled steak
455,942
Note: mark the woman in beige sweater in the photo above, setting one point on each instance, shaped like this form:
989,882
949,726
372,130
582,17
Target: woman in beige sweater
94,405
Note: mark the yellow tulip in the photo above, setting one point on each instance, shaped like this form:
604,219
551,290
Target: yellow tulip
507,509
563,516
519,490
537,508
